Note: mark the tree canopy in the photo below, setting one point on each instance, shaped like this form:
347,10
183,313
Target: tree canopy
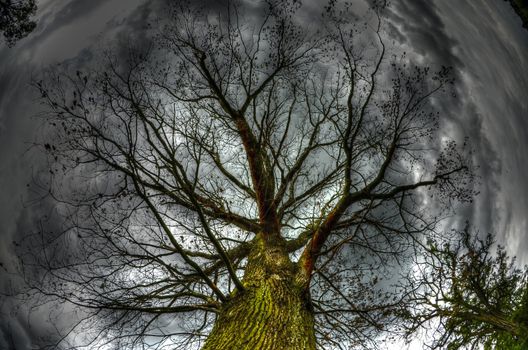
244,174
471,295
15,19
521,8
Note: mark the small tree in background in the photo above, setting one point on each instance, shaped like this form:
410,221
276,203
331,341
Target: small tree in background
246,183
15,19
473,297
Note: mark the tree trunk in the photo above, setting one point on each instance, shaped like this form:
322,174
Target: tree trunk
274,311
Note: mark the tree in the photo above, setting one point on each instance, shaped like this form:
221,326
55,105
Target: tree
476,298
257,178
521,9
15,19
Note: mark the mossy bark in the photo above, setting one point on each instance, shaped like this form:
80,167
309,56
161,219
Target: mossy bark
272,313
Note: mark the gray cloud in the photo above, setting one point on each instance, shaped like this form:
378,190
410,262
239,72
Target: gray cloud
67,13
485,44
68,32
418,24
13,336
421,28
493,47
483,40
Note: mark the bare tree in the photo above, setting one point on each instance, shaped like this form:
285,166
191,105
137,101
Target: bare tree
15,19
256,178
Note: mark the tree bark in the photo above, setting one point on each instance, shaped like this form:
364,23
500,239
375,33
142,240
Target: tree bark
274,310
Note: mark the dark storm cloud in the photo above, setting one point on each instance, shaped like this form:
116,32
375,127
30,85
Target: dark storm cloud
14,172
24,328
19,106
420,27
494,47
19,102
487,47
139,29
482,40
418,24
491,110
63,36
68,14
13,336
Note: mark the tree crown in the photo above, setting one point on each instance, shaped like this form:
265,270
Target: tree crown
235,131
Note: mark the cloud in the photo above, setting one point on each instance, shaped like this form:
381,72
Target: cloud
68,32
481,40
68,13
494,46
13,336
487,47
418,25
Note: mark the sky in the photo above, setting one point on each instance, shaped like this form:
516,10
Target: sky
482,39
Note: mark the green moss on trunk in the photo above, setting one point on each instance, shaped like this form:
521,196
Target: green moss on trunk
274,311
